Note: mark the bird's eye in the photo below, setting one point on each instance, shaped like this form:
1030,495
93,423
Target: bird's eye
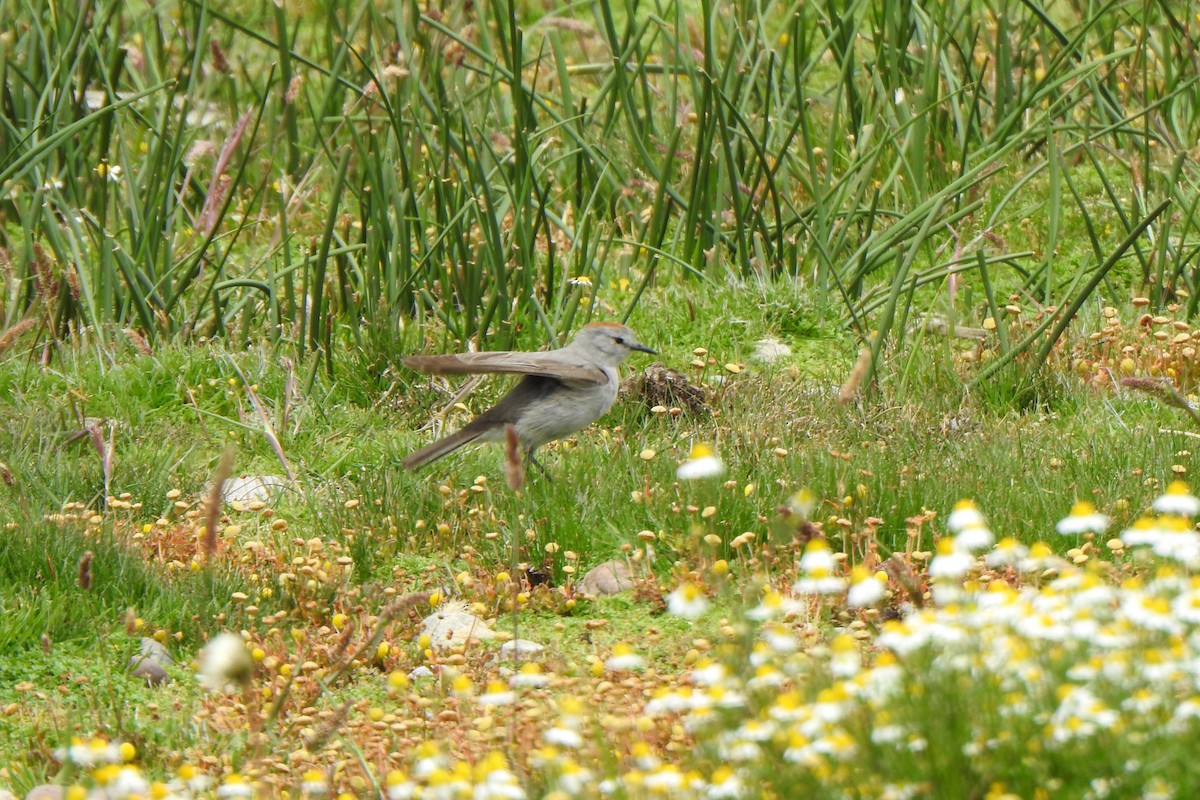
618,340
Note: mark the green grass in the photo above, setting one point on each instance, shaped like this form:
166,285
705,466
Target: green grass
393,166
778,427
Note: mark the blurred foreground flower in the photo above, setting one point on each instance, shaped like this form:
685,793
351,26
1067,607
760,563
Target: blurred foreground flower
90,754
703,462
314,782
965,515
950,562
1169,536
1084,518
687,601
866,588
773,605
225,663
1178,500
971,533
235,785
818,568
497,694
623,658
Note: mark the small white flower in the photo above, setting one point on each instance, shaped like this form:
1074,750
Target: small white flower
314,782
965,515
724,784
127,783
191,779
818,558
866,588
500,784
974,538
399,787
563,737
235,786
663,781
497,694
817,567
90,754
950,562
624,659
225,663
803,503
1084,518
687,601
1007,553
828,584
531,675
773,605
703,462
846,660
947,592
779,638
1040,558
1177,500
709,673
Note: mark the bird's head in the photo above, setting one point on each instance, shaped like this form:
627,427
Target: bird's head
610,341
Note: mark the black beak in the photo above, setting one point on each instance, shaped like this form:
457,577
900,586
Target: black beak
642,348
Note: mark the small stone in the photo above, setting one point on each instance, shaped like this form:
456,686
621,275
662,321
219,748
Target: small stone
522,647
770,349
155,650
420,672
250,488
145,669
453,625
611,577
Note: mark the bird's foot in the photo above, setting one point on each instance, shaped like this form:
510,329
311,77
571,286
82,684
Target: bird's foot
545,472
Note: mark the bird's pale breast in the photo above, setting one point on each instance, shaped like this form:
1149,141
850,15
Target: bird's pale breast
564,411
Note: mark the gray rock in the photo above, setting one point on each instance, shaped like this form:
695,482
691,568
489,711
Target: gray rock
156,651
146,669
522,647
249,488
453,625
421,672
611,577
770,349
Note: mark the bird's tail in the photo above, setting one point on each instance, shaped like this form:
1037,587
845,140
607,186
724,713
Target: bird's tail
442,447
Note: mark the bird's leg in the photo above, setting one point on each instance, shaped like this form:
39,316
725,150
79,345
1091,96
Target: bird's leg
529,457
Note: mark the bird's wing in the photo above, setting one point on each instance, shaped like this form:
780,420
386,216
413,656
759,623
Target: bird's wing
550,364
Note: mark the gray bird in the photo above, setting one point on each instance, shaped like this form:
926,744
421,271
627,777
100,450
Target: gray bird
563,391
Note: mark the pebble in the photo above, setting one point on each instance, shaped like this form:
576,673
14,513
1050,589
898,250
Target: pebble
611,577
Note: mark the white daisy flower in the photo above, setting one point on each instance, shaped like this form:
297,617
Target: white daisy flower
1084,518
1178,500
624,659
965,515
687,601
703,462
